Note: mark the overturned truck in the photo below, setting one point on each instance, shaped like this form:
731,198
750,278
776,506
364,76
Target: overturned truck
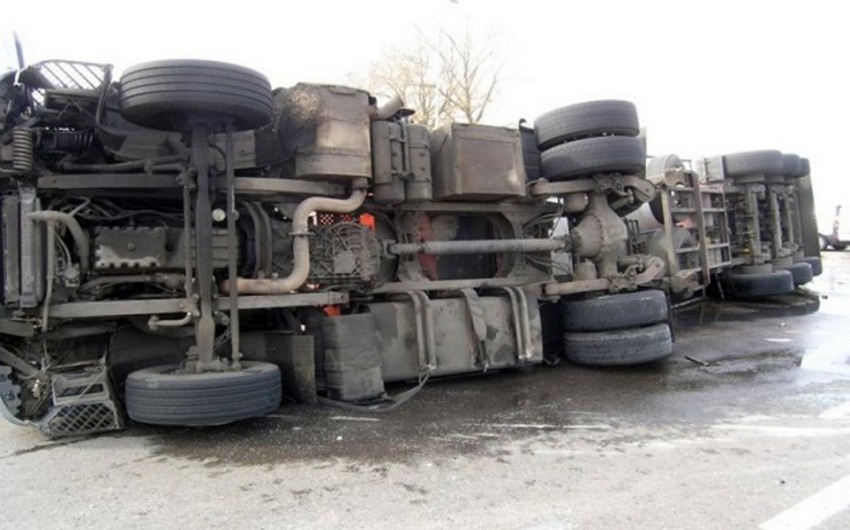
740,225
184,244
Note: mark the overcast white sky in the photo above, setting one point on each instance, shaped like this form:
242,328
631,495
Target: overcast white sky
708,77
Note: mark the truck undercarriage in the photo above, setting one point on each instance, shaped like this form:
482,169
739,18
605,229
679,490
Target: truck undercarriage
185,244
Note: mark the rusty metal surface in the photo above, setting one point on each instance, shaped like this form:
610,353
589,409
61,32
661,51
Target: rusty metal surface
106,309
293,354
455,342
326,127
269,187
480,246
600,236
401,162
441,285
477,162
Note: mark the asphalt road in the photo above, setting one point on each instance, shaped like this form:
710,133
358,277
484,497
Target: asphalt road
752,432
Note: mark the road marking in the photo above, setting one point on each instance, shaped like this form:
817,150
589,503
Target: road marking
786,432
814,510
835,413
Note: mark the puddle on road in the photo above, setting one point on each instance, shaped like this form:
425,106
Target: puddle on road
479,416
458,417
482,415
804,302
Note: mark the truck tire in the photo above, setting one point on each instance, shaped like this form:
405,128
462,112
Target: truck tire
615,311
766,284
763,268
656,168
623,347
582,120
682,238
801,271
749,163
582,158
530,153
163,94
656,172
162,396
816,263
791,165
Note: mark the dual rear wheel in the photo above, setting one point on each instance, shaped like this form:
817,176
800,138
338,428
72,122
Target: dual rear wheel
617,330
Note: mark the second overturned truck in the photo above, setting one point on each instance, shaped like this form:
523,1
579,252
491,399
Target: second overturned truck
186,244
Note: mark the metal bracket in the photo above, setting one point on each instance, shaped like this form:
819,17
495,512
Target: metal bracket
424,320
12,360
642,188
543,187
521,321
479,326
653,270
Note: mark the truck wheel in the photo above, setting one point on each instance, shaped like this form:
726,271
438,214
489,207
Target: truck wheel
582,158
682,238
591,118
619,348
839,247
163,396
764,268
615,311
801,271
791,165
530,153
656,169
765,284
162,94
750,163
824,242
816,263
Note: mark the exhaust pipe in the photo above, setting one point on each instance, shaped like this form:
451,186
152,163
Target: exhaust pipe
300,246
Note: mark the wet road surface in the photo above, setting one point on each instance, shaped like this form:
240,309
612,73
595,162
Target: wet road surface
748,425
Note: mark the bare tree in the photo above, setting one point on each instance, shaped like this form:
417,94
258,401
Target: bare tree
449,77
468,74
